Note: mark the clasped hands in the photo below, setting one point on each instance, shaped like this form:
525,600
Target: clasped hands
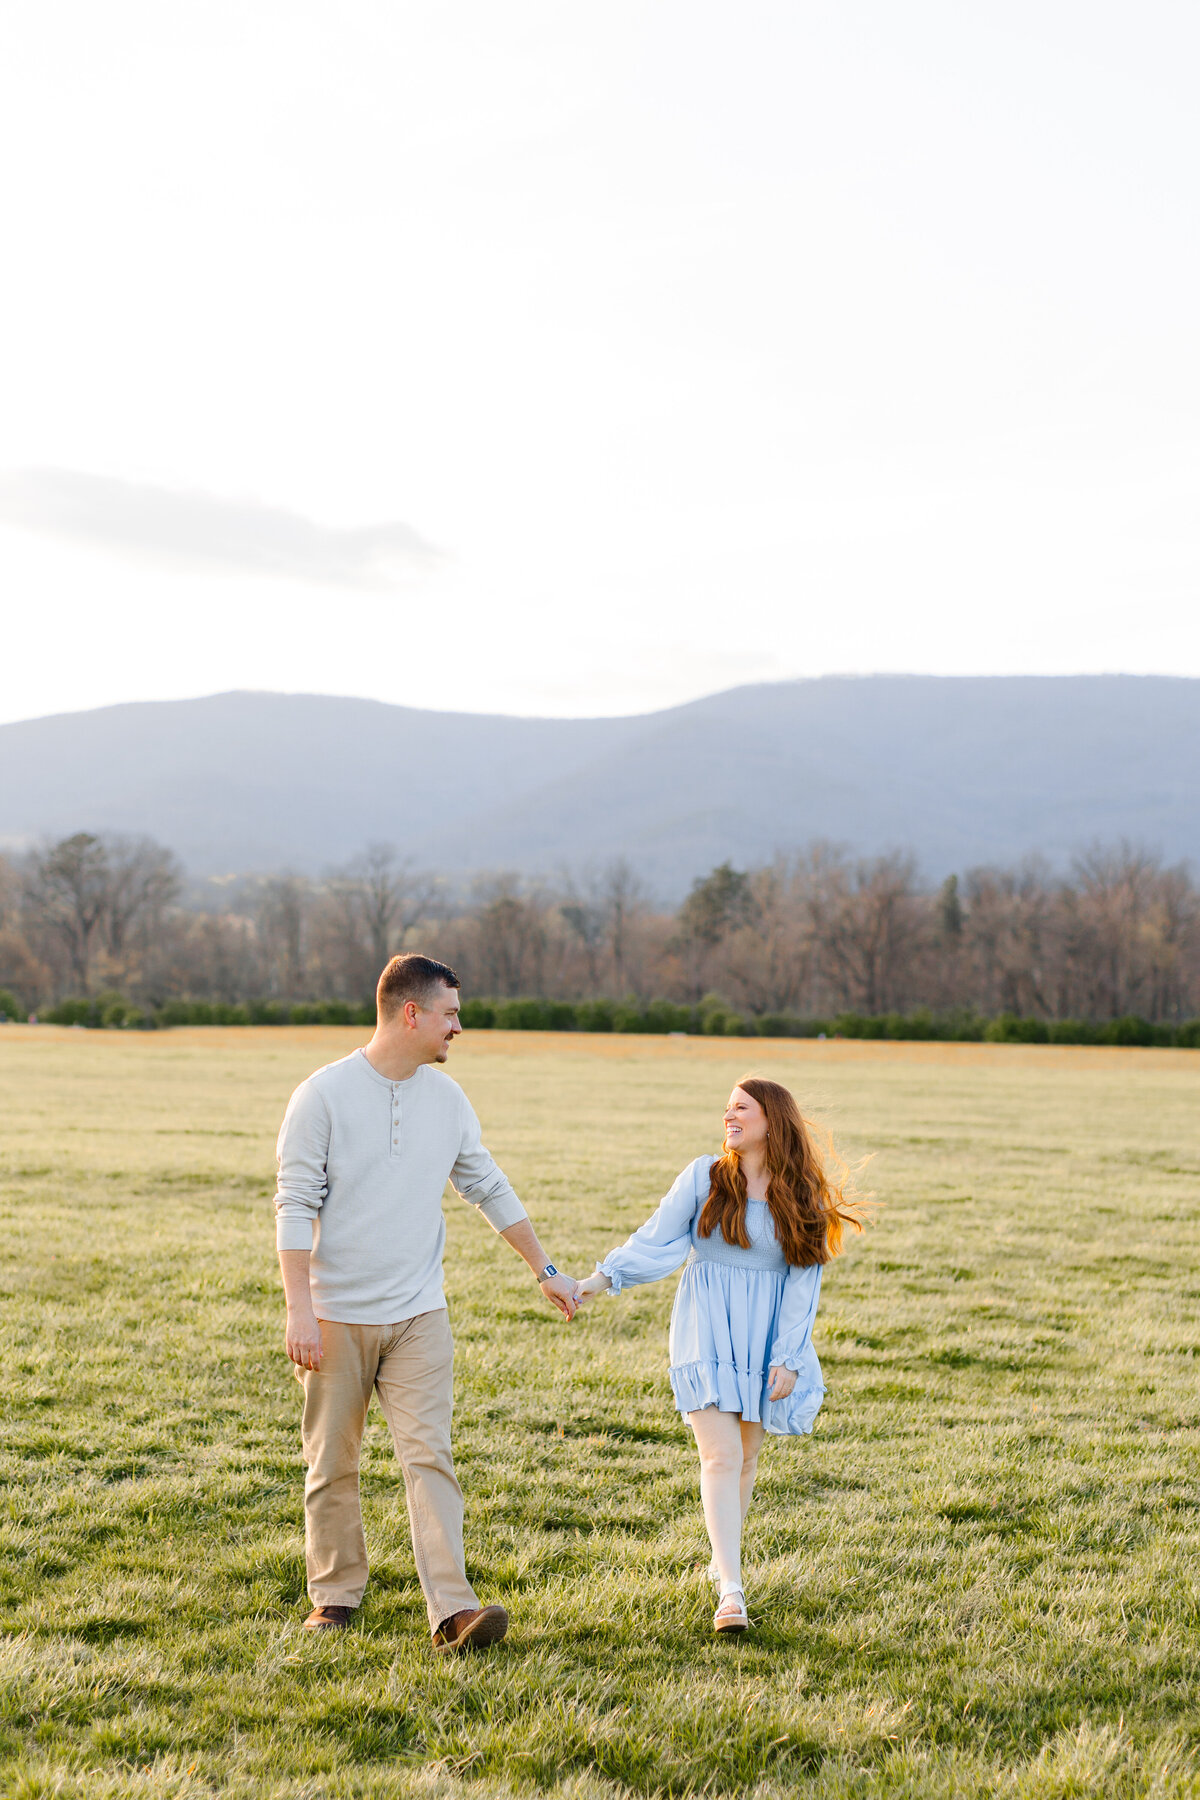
569,1295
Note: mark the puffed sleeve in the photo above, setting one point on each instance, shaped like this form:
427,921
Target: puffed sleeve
660,1246
797,1313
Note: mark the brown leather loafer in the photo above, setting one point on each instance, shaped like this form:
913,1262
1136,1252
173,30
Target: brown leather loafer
329,1618
469,1630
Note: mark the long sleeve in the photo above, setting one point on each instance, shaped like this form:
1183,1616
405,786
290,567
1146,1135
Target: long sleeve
478,1181
797,1315
661,1245
302,1153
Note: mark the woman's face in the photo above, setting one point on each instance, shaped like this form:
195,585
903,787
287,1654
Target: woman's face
745,1123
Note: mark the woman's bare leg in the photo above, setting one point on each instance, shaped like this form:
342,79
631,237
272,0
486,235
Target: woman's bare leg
722,1458
753,1434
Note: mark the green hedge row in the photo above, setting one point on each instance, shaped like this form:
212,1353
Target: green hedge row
711,1018
1129,1031
106,1011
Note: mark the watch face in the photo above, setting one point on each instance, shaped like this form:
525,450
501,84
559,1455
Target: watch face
548,1271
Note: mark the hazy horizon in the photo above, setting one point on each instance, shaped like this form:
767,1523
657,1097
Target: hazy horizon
618,713
962,772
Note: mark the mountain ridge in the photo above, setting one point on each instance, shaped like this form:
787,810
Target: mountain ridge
962,770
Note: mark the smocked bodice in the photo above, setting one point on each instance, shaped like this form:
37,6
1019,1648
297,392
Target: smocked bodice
764,1252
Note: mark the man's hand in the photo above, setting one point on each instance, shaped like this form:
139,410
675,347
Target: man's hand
302,1334
781,1383
562,1291
304,1338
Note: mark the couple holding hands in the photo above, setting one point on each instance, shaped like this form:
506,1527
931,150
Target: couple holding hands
364,1153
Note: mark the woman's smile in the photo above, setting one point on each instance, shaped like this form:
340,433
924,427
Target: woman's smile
745,1122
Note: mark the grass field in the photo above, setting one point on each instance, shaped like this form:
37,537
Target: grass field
980,1576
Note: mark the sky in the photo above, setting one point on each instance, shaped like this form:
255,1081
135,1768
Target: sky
547,359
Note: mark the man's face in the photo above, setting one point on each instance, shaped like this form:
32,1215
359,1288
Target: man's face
436,1025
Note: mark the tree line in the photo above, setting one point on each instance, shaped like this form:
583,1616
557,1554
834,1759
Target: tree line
103,924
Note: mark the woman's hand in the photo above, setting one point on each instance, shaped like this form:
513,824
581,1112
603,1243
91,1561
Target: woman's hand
593,1285
781,1383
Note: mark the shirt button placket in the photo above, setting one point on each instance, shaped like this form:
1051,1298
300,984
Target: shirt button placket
395,1122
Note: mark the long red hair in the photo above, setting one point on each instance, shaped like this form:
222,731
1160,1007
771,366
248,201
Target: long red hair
810,1208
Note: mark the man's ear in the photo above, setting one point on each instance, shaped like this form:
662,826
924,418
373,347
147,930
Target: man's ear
411,1009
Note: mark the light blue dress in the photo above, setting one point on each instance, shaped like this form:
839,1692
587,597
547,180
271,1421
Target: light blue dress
738,1313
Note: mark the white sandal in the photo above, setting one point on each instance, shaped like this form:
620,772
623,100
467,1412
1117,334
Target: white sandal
731,1614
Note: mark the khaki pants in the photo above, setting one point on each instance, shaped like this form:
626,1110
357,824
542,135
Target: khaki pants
410,1366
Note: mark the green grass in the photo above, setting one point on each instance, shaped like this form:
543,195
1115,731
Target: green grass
980,1576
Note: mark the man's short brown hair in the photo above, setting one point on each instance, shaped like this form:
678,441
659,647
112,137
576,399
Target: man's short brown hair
411,977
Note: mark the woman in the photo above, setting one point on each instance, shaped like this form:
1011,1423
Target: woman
753,1228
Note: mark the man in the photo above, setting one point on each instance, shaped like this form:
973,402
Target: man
364,1153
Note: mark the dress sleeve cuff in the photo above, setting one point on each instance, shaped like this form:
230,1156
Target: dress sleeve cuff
614,1275
293,1234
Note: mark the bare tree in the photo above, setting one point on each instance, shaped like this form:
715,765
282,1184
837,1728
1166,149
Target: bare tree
869,923
583,912
511,937
21,969
383,898
719,904
602,912
585,924
1132,924
625,903
1172,940
771,960
1118,934
282,917
1012,933
10,894
209,956
67,893
143,880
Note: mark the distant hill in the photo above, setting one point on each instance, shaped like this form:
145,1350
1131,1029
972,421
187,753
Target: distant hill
960,770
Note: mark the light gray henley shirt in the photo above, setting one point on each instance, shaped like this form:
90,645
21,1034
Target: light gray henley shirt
363,1163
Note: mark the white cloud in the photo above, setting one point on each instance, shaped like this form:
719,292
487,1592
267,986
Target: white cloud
204,532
